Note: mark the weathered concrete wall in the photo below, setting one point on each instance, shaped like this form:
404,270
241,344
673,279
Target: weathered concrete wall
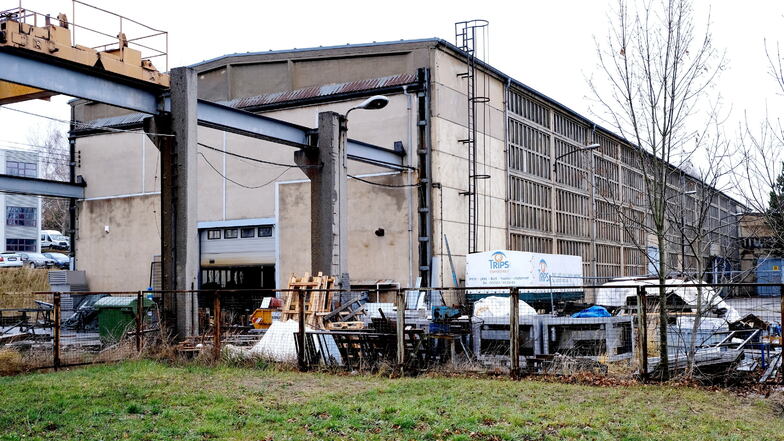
118,165
370,257
120,258
451,169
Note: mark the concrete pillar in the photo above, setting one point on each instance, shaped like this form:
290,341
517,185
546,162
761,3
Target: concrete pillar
183,243
326,166
179,235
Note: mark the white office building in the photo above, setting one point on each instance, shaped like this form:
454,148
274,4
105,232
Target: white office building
22,227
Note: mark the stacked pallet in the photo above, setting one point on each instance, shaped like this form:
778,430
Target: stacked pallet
318,304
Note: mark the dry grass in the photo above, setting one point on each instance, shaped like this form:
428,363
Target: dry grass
18,285
10,362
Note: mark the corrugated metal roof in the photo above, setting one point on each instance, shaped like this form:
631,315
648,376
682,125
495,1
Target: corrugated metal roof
323,91
114,121
133,119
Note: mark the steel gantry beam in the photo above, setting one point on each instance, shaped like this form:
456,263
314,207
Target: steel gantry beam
229,119
57,75
76,80
40,187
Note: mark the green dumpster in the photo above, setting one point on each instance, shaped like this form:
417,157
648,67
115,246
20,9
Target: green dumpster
117,315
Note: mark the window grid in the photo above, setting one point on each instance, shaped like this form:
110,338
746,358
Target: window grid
569,128
577,248
20,245
534,244
529,150
529,205
21,216
528,109
18,168
573,213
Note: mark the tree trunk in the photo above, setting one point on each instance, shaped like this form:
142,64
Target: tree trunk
664,359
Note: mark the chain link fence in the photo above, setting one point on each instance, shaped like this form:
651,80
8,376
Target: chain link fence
620,328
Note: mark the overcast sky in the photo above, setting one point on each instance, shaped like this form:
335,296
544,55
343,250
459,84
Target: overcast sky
548,45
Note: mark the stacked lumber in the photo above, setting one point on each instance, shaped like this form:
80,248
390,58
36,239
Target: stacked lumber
318,304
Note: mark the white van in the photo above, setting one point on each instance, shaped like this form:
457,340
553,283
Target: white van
53,239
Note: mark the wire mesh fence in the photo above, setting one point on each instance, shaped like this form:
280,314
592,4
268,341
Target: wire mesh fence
639,329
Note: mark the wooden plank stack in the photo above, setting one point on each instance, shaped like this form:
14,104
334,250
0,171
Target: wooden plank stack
317,303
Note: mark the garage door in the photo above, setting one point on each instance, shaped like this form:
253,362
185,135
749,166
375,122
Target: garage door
237,245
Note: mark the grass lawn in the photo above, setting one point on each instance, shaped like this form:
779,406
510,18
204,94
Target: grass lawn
152,401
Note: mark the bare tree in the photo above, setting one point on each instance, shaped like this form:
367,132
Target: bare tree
703,225
762,155
657,69
52,147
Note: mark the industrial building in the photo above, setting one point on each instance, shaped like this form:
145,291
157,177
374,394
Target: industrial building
22,226
490,164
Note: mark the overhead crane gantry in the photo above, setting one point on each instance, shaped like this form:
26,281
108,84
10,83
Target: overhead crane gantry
175,112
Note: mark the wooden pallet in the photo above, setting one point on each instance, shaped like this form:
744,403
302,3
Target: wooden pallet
318,304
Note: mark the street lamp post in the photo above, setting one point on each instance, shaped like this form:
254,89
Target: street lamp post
584,148
375,102
578,149
326,166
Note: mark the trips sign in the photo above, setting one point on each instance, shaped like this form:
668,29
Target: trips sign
521,268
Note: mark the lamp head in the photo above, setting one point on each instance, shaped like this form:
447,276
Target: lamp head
374,103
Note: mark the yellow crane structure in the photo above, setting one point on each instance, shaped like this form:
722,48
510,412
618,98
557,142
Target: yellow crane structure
25,30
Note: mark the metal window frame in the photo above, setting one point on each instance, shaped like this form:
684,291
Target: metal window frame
29,245
33,210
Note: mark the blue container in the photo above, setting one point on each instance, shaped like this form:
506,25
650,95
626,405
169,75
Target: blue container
769,271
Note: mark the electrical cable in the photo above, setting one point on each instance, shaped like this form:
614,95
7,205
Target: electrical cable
384,185
249,158
252,187
83,124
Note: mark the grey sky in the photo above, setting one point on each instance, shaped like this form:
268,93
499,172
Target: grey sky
547,45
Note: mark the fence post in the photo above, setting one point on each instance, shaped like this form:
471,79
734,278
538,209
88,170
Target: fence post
400,328
301,336
56,332
216,325
139,312
781,320
642,318
514,332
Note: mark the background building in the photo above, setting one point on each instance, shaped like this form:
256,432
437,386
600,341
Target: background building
481,145
22,226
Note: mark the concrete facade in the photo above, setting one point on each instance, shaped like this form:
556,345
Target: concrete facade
522,205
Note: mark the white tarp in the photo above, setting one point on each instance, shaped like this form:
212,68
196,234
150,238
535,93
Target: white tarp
521,268
495,306
610,294
278,343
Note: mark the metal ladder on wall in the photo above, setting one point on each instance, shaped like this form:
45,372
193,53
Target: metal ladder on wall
465,40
